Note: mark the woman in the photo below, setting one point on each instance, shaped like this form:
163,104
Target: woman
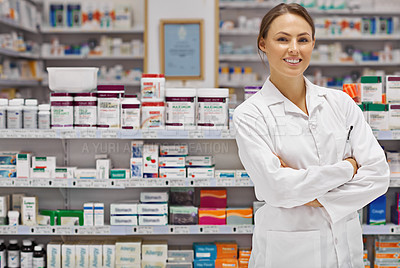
310,154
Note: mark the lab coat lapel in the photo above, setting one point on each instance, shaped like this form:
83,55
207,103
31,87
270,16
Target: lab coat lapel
315,97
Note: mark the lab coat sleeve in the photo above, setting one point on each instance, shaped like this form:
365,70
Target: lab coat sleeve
373,176
278,186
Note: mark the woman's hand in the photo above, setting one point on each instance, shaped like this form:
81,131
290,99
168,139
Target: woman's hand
315,203
354,163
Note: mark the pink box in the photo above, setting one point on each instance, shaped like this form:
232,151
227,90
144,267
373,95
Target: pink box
213,198
212,216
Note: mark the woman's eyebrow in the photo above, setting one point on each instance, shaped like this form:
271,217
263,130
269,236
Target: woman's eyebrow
284,33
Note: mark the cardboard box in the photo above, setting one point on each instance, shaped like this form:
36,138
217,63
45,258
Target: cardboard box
174,173
128,251
174,150
207,251
203,263
150,160
172,161
29,211
68,255
88,214
156,251
103,167
98,214
108,255
212,216
154,197
213,198
222,263
65,172
244,253
95,255
137,149
86,173
153,209
120,173
236,216
136,168
54,255
8,172
377,211
180,255
153,220
200,161
124,220
227,250
24,162
201,172
82,255
48,162
124,209
41,173
220,174
4,205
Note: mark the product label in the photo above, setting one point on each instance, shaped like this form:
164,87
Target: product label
3,115
180,114
371,92
2,259
13,259
44,121
26,259
150,90
130,118
30,119
152,119
108,113
212,114
62,116
85,116
38,262
14,119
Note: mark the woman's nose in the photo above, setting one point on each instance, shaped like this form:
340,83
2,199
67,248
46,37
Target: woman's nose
293,47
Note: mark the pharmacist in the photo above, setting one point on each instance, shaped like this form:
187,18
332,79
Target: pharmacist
311,155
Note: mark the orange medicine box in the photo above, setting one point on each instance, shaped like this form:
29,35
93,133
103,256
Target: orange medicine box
226,250
387,255
243,263
212,216
223,263
213,198
244,253
236,216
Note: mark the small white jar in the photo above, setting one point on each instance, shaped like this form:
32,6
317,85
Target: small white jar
13,217
180,108
3,113
153,115
130,112
62,110
44,116
15,114
31,114
85,110
212,108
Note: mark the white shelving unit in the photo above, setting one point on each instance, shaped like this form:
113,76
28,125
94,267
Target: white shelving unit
90,57
18,83
11,23
16,54
133,30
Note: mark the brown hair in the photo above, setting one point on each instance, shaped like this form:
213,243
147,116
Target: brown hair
279,10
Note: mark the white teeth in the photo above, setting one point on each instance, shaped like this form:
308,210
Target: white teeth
292,61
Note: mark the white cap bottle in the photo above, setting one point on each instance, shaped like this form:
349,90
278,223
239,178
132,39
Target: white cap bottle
44,116
31,114
3,113
14,113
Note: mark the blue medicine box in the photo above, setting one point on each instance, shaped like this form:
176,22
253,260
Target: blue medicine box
377,211
205,251
203,263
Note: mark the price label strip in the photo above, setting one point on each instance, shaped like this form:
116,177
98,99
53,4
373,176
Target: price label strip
102,230
225,182
84,230
210,229
61,183
244,229
101,184
109,134
68,134
395,229
63,230
41,183
196,134
45,230
176,229
6,182
87,134
202,182
22,182
150,134
134,183
48,134
84,183
243,182
177,182
145,229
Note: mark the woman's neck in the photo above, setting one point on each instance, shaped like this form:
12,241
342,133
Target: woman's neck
293,88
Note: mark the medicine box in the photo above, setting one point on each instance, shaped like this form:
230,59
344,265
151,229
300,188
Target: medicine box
41,173
108,255
393,88
200,172
103,167
371,89
237,216
150,160
203,263
183,215
221,263
213,198
137,149
98,214
172,161
395,215
179,265
212,216
82,255
174,173
123,220
8,160
123,209
43,220
174,150
180,255
119,173
226,250
88,214
377,211
220,174
136,168
8,172
86,173
54,255
64,172
52,214
154,197
205,251
153,209
95,255
200,161
23,165
128,251
44,162
29,210
156,251
244,253
4,205
153,220
182,196
136,265
68,255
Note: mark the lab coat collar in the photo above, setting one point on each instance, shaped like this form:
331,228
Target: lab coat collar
315,96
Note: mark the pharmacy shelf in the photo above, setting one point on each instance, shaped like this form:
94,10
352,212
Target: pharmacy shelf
18,83
127,230
243,32
241,84
114,134
11,23
244,57
16,54
124,183
80,57
388,229
107,82
51,30
244,4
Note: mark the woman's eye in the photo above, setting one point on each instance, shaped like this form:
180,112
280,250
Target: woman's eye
282,39
303,40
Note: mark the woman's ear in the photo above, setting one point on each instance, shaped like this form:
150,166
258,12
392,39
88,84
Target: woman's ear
262,46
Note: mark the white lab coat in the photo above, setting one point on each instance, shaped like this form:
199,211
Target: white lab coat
287,233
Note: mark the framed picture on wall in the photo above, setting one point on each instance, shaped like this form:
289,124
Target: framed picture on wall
181,49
